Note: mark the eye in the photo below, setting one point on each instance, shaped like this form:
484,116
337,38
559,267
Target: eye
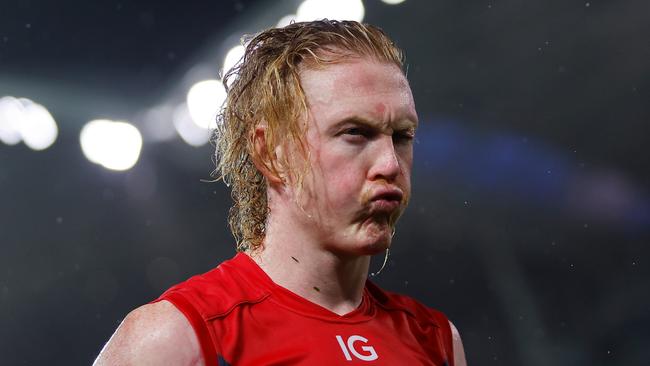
404,136
356,131
357,134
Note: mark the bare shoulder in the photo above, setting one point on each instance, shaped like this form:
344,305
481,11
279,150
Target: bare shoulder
459,350
153,334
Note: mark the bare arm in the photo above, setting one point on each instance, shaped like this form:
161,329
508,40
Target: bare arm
459,351
154,334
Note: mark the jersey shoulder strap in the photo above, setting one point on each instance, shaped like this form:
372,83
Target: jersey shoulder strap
212,295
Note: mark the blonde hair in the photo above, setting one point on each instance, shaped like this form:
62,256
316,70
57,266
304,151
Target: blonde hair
264,87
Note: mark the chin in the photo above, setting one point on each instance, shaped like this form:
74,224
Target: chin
376,238
374,250
363,246
375,244
370,239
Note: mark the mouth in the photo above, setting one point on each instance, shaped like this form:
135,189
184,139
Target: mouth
386,200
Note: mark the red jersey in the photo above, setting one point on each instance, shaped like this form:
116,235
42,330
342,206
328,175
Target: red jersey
241,317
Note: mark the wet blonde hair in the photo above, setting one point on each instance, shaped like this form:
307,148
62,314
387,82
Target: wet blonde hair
264,87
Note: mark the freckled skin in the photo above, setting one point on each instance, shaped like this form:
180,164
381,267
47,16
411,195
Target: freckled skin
349,168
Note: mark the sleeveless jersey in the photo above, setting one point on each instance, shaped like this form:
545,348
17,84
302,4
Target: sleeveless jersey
241,317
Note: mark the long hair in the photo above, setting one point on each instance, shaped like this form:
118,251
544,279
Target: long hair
264,87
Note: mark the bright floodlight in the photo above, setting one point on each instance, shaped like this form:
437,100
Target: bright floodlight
37,128
112,144
187,129
23,119
204,101
330,9
393,2
286,20
233,57
11,111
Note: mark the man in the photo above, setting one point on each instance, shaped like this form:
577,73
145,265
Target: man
316,142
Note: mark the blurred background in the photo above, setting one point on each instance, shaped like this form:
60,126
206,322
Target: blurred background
530,221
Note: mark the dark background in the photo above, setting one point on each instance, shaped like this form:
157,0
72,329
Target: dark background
530,219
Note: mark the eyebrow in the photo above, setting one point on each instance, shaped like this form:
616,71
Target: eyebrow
403,124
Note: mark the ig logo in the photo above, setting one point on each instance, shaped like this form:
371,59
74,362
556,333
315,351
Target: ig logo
347,348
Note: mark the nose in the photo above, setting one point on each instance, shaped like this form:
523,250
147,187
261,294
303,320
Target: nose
385,163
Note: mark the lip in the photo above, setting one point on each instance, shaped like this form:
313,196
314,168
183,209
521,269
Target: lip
386,199
384,206
387,194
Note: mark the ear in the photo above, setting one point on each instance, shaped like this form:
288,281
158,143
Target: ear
268,163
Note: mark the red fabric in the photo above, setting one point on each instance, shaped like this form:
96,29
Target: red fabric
241,316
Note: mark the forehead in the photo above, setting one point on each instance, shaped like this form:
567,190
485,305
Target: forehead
359,87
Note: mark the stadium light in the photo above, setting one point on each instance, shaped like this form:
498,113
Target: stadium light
37,128
187,129
204,100
330,9
25,120
115,145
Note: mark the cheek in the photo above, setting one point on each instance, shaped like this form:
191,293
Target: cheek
405,157
342,179
343,188
406,161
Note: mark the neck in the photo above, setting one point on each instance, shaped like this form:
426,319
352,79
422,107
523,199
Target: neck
299,264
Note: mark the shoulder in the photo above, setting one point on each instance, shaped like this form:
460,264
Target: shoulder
216,292
422,314
153,334
459,350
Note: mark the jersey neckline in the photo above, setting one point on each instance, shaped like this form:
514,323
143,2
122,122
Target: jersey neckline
257,278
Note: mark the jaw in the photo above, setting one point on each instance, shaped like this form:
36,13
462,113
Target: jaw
368,237
372,232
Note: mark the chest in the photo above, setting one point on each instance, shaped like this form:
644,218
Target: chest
268,335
